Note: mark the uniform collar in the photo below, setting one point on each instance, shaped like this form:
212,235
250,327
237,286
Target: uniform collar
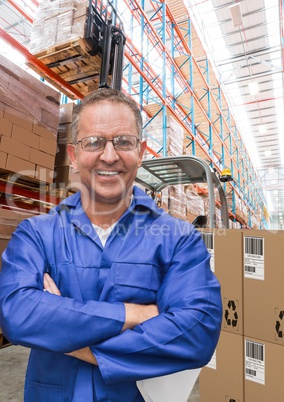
140,199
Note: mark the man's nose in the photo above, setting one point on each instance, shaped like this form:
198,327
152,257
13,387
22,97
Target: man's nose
109,153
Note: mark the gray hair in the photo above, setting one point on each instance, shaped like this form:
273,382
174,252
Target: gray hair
110,95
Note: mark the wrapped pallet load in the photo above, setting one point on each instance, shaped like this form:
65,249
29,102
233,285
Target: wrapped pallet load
60,41
57,22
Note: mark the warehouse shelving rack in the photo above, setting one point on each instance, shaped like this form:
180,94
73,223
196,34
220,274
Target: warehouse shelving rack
168,73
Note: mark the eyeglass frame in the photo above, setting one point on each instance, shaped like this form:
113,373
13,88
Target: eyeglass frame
110,140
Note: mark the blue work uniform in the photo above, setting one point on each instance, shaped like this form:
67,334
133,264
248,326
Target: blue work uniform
149,257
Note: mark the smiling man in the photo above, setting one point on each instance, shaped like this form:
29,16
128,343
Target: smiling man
107,289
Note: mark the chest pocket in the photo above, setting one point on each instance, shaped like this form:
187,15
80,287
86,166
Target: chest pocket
133,283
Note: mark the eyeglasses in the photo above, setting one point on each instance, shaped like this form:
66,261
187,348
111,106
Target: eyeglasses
120,143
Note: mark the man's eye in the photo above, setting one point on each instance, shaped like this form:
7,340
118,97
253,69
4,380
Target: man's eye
123,142
95,143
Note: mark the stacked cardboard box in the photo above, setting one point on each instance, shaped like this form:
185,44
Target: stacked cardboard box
56,22
263,315
29,115
9,219
65,177
222,378
249,267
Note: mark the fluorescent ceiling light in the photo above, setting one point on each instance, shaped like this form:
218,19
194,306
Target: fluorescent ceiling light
236,15
253,88
262,129
267,153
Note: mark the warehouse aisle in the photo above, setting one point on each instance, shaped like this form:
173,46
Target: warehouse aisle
13,362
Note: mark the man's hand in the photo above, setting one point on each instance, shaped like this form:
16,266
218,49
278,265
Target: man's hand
84,354
137,313
49,285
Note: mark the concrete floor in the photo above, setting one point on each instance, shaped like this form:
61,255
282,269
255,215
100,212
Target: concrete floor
13,362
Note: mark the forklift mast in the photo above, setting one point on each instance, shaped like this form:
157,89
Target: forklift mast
104,32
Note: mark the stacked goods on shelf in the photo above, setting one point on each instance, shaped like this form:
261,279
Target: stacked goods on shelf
238,206
58,41
177,201
174,135
29,115
194,203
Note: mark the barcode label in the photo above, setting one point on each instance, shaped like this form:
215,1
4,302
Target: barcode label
254,362
254,257
249,268
251,372
254,245
254,350
208,239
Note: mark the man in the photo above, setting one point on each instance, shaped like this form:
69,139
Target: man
107,289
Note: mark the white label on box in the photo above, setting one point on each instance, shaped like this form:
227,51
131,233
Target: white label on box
213,363
254,257
254,362
209,242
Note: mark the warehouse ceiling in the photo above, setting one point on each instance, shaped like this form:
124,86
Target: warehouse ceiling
244,41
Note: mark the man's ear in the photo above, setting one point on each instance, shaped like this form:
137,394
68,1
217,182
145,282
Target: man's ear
143,145
72,155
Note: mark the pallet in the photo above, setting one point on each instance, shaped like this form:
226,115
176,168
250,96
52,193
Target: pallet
72,62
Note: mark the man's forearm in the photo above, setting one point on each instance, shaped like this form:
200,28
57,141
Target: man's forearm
135,314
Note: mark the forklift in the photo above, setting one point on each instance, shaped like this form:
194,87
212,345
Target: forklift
156,174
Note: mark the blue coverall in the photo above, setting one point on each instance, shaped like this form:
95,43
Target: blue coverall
149,257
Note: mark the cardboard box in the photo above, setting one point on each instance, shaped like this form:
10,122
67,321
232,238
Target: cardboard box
65,114
12,147
41,158
48,146
64,135
43,132
263,371
3,160
23,136
263,285
222,379
62,157
43,174
67,178
225,247
21,166
5,127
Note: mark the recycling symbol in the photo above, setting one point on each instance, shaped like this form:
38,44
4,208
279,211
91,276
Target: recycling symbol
278,325
231,314
231,399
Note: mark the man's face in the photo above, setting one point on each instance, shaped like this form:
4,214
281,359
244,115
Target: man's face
107,175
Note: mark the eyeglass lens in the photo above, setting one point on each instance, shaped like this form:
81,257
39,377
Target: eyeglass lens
121,142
